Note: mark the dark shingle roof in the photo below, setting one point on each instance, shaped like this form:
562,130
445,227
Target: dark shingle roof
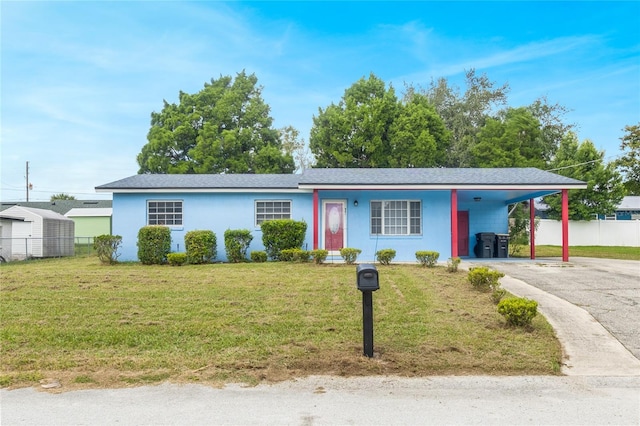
435,176
199,181
313,178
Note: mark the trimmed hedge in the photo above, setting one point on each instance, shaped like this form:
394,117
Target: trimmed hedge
518,311
385,256
350,255
427,258
281,234
177,259
319,256
154,243
258,256
236,244
201,246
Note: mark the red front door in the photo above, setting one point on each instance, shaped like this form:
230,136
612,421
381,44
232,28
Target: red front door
463,233
334,225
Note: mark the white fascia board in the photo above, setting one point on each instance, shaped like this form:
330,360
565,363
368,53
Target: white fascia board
445,187
206,190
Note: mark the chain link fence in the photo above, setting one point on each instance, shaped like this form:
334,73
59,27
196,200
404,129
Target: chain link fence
31,247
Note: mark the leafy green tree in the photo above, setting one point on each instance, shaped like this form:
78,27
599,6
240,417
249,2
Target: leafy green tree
224,128
629,163
512,140
465,114
369,127
62,196
552,126
418,137
355,133
584,162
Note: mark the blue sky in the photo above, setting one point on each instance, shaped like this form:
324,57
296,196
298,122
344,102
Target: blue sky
79,80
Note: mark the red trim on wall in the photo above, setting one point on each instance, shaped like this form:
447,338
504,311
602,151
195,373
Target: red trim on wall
565,225
532,228
315,219
454,223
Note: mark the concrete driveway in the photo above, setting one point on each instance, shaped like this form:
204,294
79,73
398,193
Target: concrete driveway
607,289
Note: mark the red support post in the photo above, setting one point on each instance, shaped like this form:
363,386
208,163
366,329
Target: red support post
315,219
565,225
532,228
454,223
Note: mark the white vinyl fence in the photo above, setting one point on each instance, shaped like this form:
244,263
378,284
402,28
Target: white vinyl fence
590,233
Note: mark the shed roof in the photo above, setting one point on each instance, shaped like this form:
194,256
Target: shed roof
25,213
58,206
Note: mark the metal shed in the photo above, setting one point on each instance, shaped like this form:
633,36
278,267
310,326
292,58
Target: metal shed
28,232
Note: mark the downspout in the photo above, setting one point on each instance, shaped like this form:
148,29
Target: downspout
532,228
454,223
315,219
565,225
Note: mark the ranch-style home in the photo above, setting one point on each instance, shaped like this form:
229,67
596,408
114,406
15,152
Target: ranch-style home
443,210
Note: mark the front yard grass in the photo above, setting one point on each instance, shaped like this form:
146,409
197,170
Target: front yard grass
91,325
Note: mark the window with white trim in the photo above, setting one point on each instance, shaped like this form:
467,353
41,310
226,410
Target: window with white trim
272,209
164,212
396,217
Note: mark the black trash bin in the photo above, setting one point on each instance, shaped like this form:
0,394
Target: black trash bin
502,245
485,242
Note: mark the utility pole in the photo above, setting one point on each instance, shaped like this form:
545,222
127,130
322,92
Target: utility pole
27,181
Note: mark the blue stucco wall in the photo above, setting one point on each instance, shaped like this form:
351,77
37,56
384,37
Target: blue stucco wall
215,212
436,223
221,211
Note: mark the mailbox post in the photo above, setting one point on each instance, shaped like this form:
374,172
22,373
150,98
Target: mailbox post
367,282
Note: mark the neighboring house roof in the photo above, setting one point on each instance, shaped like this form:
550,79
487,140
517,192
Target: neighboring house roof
83,212
24,213
157,182
58,206
630,202
437,178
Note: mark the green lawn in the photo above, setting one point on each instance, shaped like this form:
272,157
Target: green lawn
93,325
624,253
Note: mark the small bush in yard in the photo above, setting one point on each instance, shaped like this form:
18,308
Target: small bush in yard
177,259
154,243
385,256
453,263
484,279
350,255
498,294
258,256
106,246
518,311
319,256
294,255
427,258
201,246
236,244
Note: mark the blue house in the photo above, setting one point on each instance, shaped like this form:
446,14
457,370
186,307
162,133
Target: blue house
370,209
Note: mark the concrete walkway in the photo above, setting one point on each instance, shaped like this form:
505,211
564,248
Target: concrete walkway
589,349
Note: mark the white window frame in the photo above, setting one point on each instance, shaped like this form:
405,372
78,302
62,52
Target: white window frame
389,224
262,216
175,216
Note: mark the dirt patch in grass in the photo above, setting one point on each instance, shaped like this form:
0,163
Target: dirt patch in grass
88,325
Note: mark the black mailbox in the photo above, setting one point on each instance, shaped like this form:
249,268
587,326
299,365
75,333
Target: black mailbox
367,277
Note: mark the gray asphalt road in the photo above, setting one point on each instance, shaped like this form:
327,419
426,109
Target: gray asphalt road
608,289
341,401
